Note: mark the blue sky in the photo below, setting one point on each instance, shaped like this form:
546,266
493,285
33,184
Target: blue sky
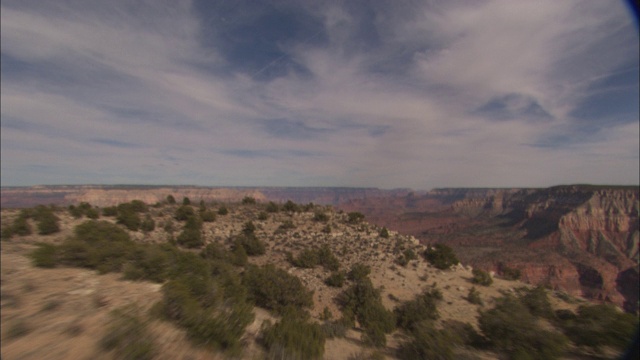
419,94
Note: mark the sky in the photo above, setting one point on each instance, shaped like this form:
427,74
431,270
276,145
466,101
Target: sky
389,94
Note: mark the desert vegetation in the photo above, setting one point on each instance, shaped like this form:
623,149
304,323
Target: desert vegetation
219,272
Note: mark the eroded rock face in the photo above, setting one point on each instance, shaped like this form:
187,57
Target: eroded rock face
581,239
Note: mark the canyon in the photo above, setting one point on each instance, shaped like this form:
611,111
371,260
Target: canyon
580,239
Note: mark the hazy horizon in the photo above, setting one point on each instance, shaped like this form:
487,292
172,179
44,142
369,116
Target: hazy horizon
383,94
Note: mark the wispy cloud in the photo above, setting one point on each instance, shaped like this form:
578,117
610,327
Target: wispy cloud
382,93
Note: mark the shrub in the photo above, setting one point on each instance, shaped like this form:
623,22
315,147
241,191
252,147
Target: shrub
184,212
441,256
307,259
481,277
47,221
272,207
384,233
511,329
110,211
262,216
171,200
21,227
336,279
248,200
510,273
147,263
362,302
221,329
422,308
130,219
186,201
251,244
148,224
537,301
335,329
358,271
290,207
128,336
93,231
208,216
92,213
223,210
190,238
427,343
596,326
474,296
44,256
320,217
293,338
355,217
275,289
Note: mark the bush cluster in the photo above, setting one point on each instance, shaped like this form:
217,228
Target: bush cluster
275,289
83,209
597,326
128,335
310,258
441,256
423,308
511,329
481,277
336,279
362,302
293,337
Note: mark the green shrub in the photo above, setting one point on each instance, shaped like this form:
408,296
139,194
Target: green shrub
427,343
320,217
75,212
7,232
335,329
190,238
92,213
422,308
362,302
47,221
275,289
184,212
307,259
128,336
208,216
474,296
93,231
44,256
537,301
511,329
291,207
148,224
171,200
186,201
293,338
510,273
223,210
272,207
441,256
147,263
355,217
384,233
222,329
21,227
358,272
251,244
129,218
481,277
262,216
110,211
596,326
248,200
336,279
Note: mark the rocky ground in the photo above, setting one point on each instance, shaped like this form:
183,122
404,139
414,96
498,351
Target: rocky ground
63,313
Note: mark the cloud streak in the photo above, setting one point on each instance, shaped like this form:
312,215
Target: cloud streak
421,94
